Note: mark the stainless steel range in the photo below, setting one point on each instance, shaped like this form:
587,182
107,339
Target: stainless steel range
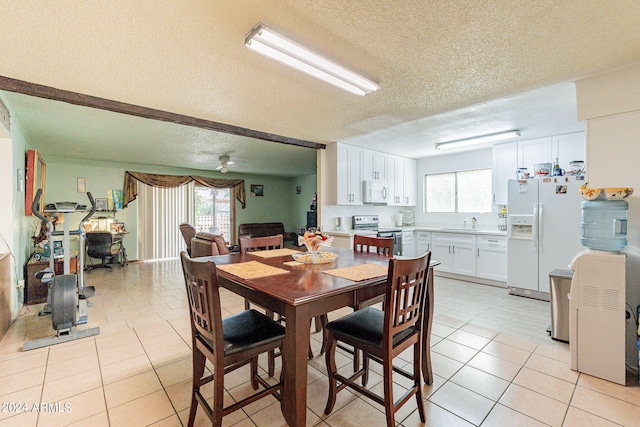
369,224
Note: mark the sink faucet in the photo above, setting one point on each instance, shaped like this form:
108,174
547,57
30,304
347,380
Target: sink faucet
473,222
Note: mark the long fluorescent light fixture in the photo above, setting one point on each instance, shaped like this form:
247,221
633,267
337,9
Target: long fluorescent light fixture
268,42
477,140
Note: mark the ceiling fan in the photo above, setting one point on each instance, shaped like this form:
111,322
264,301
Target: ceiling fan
224,162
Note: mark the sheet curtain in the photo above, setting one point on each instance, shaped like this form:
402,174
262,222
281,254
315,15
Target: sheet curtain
170,181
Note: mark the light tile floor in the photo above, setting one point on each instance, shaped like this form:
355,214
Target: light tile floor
493,361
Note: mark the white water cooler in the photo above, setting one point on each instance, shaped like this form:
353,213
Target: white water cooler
597,315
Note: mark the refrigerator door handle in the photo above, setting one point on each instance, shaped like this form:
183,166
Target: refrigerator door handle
540,227
535,227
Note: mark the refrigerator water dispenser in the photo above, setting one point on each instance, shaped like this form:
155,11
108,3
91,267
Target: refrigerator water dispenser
520,227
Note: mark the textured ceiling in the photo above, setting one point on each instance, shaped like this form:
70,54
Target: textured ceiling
446,69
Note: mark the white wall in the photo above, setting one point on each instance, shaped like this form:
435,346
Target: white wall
611,105
478,159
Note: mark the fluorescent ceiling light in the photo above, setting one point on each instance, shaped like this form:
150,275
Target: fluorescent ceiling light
478,140
266,41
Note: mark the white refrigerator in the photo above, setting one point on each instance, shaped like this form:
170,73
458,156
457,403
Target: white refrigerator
543,231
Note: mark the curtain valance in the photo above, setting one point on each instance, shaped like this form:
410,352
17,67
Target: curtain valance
171,181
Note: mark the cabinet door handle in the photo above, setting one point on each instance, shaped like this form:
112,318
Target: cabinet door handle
478,251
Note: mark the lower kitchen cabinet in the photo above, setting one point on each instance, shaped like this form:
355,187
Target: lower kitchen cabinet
408,244
423,242
456,253
492,258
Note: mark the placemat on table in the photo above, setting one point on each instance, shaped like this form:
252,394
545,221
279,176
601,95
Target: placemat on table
360,272
293,263
251,269
272,253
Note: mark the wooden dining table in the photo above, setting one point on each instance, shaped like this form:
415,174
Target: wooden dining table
301,292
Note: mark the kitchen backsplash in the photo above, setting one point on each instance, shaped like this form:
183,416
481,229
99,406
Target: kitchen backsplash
388,216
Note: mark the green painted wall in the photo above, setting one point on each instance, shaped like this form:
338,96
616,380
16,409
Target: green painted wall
302,202
280,203
22,225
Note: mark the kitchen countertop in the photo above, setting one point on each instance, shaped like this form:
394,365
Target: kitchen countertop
436,228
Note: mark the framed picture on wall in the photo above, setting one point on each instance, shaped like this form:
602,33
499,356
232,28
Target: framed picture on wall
101,204
257,190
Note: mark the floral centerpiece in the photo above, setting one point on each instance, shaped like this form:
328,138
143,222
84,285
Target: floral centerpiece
314,239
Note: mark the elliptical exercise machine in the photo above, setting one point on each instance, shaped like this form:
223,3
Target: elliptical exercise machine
67,295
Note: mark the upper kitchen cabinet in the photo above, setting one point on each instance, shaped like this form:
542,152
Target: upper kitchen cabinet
505,163
532,152
524,154
410,182
567,148
344,162
403,175
374,166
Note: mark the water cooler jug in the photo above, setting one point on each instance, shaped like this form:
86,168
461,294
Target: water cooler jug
604,224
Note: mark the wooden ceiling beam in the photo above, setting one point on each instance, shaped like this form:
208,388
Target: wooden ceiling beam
47,92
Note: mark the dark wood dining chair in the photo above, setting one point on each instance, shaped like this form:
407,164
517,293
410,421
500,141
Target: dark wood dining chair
251,244
380,245
383,335
228,343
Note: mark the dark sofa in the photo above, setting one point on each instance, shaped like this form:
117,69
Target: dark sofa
263,229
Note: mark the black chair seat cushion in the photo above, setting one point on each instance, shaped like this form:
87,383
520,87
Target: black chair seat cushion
247,330
366,326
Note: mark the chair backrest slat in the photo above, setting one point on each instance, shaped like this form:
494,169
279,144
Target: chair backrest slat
250,244
405,295
379,245
201,281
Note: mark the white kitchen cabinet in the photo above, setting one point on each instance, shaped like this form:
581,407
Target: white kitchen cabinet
505,163
525,154
492,258
349,175
395,164
410,182
455,251
534,151
408,244
441,251
403,174
423,242
374,166
567,148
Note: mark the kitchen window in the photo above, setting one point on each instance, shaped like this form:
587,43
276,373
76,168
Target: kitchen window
462,192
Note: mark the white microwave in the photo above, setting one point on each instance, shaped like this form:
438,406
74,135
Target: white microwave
375,192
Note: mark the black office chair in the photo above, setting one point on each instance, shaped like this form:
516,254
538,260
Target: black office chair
100,244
